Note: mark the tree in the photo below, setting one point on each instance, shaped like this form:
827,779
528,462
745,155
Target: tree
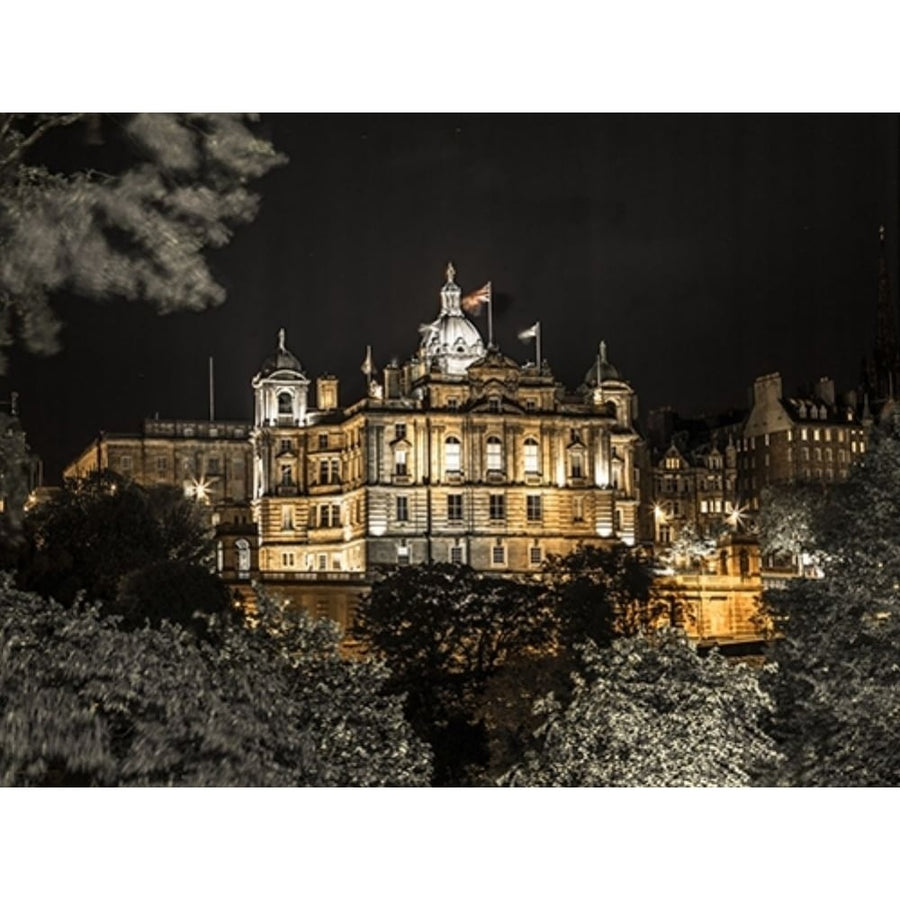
599,594
99,529
86,703
16,464
788,518
651,712
443,630
837,681
118,206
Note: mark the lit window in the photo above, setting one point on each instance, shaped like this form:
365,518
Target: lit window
454,507
534,556
399,462
531,456
816,434
452,454
704,506
803,434
498,555
494,454
766,439
402,509
577,465
402,555
243,554
497,507
533,507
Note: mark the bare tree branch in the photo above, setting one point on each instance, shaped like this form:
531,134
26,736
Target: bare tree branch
60,121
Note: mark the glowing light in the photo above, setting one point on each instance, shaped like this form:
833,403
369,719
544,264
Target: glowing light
736,516
199,489
659,513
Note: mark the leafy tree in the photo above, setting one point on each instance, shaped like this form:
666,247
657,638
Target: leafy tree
837,681
16,462
788,518
443,630
118,206
599,594
99,529
86,703
651,712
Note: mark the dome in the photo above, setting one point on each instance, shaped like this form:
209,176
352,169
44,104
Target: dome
281,360
602,370
451,340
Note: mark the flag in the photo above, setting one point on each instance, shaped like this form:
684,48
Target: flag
367,367
530,333
473,302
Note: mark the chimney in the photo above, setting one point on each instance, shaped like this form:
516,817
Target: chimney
392,381
825,391
327,392
767,389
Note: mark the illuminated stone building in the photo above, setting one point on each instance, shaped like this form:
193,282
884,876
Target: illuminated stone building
459,455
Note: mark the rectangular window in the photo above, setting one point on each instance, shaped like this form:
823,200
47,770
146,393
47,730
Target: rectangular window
804,434
162,464
336,562
323,471
399,462
494,404
335,471
287,518
704,506
400,431
454,507
403,509
531,456
287,560
530,405
533,507
287,477
452,402
577,466
325,516
286,445
323,441
494,454
213,465
335,515
456,555
497,507
323,561
534,556
498,555
766,440
125,463
402,555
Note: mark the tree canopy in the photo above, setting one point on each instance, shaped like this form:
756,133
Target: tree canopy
837,682
118,206
86,703
99,531
651,712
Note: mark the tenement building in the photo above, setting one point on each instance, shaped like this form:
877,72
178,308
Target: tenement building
461,454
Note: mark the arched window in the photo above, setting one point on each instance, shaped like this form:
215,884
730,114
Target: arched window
532,464
494,454
452,454
285,404
243,554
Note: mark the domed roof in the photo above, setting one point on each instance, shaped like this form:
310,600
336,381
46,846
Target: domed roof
281,360
451,339
602,370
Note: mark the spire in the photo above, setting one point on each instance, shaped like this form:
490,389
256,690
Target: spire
886,355
281,337
451,272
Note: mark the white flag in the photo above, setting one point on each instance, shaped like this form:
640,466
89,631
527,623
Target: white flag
530,333
367,367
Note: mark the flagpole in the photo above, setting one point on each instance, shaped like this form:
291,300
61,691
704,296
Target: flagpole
490,307
537,344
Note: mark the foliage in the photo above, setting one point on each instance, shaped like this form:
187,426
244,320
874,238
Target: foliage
651,712
99,529
15,467
788,518
837,681
131,218
86,703
443,630
599,594
690,548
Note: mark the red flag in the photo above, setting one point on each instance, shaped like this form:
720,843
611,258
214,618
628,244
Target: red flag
473,302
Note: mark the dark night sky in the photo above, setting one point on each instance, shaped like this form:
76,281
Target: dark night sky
706,250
